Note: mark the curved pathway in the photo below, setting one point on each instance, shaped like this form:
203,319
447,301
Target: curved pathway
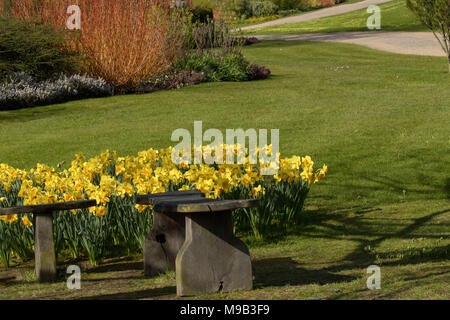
317,14
419,43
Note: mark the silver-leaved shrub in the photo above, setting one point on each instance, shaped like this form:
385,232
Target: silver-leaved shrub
20,90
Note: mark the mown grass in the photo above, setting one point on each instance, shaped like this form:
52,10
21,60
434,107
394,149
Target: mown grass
379,120
395,16
327,258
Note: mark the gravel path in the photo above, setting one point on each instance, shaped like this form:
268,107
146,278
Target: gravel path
317,14
419,43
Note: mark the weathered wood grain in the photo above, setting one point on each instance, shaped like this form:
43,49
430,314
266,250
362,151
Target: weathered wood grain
202,205
150,201
44,248
151,198
212,259
163,243
45,208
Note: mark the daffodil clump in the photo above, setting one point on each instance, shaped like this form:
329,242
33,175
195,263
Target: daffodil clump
116,223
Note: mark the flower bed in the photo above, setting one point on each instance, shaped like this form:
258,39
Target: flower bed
116,225
155,47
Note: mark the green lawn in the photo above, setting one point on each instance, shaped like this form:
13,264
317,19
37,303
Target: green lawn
327,259
395,16
379,120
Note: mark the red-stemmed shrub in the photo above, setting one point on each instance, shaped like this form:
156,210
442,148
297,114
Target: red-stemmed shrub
123,42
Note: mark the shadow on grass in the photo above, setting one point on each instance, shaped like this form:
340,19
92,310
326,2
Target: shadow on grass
134,295
325,224
336,224
276,44
112,278
400,186
369,233
286,271
360,257
120,266
32,113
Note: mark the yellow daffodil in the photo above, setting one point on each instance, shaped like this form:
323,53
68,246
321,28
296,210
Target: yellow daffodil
108,175
26,221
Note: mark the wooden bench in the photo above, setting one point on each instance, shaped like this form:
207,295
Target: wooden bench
208,258
44,247
190,233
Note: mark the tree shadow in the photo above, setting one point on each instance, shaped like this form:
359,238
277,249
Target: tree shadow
320,224
438,272
120,266
360,256
286,271
136,277
43,111
31,114
136,295
265,43
368,233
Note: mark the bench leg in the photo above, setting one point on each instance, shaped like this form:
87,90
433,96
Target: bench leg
44,248
212,259
163,243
